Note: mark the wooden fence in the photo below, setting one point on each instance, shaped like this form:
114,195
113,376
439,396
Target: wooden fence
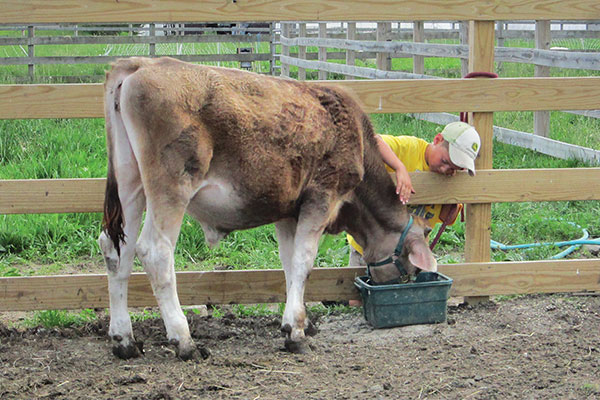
244,36
30,37
477,276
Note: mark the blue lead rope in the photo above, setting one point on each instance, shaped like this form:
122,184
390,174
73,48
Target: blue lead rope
397,252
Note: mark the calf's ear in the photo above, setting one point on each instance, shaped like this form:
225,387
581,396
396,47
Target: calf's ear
421,257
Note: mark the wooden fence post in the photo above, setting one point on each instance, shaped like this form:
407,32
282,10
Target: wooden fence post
418,37
152,46
384,60
322,50
350,54
285,50
272,49
302,52
541,119
31,52
479,216
500,38
464,39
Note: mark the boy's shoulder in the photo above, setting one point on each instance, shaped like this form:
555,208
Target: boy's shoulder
404,141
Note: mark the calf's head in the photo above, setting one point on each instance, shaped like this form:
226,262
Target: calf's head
404,255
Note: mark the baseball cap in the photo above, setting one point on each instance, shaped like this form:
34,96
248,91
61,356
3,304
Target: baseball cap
464,144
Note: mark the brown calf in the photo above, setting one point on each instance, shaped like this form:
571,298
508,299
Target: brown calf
237,150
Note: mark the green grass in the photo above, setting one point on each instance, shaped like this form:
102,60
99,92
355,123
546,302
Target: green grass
75,148
60,319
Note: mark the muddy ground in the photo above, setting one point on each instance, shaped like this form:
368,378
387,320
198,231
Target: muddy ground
534,347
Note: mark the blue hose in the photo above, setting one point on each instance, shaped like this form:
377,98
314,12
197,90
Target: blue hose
573,245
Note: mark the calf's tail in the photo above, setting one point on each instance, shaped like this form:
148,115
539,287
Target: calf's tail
112,221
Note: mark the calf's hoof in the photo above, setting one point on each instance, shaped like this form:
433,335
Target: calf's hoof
189,351
126,349
295,340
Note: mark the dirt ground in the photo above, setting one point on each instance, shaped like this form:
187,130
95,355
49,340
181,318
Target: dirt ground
533,347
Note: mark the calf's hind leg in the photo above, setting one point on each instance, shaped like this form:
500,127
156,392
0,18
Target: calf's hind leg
119,270
155,249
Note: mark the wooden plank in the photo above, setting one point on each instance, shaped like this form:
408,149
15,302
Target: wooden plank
543,37
301,52
383,60
68,40
83,11
524,277
496,186
482,95
350,70
381,96
51,196
109,59
322,74
418,36
479,216
254,35
268,286
478,226
285,50
51,101
350,54
31,196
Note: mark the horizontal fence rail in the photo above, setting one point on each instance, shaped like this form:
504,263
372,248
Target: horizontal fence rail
268,286
25,196
249,57
550,58
380,96
98,11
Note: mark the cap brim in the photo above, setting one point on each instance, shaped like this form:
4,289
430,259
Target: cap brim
461,159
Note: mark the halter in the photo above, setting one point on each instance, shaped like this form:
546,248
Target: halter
395,258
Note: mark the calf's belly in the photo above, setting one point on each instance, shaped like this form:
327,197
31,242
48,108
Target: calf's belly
218,205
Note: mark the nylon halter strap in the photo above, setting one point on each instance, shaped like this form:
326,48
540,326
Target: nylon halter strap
394,258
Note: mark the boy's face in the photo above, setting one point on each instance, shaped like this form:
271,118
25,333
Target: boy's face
439,158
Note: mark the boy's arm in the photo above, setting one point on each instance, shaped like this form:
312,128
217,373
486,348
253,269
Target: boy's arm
403,183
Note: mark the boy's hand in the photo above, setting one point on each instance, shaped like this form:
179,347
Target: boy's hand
403,185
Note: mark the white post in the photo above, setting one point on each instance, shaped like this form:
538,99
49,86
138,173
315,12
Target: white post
350,54
302,52
384,60
541,119
285,50
322,50
418,37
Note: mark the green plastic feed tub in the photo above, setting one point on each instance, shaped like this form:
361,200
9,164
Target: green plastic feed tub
420,302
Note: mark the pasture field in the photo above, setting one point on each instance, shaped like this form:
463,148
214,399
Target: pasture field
56,148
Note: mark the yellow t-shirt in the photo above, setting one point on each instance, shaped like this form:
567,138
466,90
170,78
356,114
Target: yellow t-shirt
411,151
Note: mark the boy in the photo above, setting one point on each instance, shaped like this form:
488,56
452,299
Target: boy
454,149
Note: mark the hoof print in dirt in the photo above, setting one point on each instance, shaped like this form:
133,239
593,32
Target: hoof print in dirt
125,352
296,347
204,352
